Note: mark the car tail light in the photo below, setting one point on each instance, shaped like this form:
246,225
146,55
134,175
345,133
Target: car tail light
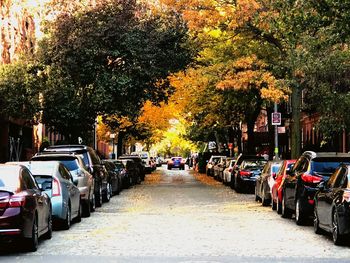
17,201
245,173
346,197
4,202
56,188
308,178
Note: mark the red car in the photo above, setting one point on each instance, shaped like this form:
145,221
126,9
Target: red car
276,190
25,210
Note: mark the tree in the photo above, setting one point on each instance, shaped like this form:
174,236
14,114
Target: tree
108,60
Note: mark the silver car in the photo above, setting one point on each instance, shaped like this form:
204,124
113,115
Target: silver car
81,177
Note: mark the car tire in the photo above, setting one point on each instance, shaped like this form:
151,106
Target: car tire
33,242
48,234
257,198
93,203
338,239
67,221
273,205
286,213
316,222
106,197
80,212
278,206
264,201
299,213
98,196
237,185
232,182
86,208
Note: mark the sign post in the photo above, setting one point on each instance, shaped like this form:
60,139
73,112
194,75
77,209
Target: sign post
276,120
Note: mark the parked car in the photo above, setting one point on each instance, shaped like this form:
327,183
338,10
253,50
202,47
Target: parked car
332,205
265,180
81,177
131,172
276,189
238,162
138,163
219,167
300,185
94,166
65,196
114,177
176,162
25,210
247,173
146,160
214,159
227,172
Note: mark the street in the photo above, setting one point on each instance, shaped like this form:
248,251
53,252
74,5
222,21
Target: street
176,216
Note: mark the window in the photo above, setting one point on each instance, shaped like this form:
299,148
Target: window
336,180
27,180
64,172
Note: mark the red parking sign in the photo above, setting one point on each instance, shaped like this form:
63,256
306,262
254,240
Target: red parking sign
276,118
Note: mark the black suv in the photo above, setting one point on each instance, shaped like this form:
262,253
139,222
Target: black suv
302,181
93,164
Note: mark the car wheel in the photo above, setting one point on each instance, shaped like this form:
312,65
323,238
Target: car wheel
317,228
256,194
80,212
237,185
232,182
299,213
130,182
338,239
33,241
98,197
107,193
279,206
68,219
86,208
48,234
264,201
274,205
286,213
169,168
93,203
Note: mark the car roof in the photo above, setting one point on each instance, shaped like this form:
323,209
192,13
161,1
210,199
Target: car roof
312,154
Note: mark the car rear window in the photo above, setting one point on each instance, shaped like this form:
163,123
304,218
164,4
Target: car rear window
9,179
71,165
327,165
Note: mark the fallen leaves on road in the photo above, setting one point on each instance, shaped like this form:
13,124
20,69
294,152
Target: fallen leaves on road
153,178
203,178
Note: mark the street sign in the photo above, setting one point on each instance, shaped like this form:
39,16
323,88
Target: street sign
276,118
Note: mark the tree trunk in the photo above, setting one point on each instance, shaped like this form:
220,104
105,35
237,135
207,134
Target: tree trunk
295,123
251,137
120,143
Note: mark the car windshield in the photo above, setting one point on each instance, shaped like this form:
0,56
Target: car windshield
176,159
9,179
328,167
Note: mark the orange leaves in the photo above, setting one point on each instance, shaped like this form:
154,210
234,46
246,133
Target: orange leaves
251,73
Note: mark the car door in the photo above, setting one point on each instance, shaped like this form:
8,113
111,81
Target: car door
38,196
290,182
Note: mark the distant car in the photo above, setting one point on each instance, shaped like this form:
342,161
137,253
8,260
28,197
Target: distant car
332,205
176,162
300,184
264,180
219,168
276,190
138,163
81,177
65,196
93,165
214,159
146,160
247,174
25,210
131,174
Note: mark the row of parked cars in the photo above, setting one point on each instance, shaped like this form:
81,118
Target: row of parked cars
315,187
58,186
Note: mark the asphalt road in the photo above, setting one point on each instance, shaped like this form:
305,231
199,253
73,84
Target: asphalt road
176,216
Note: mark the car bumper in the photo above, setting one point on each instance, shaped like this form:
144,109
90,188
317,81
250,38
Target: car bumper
11,223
